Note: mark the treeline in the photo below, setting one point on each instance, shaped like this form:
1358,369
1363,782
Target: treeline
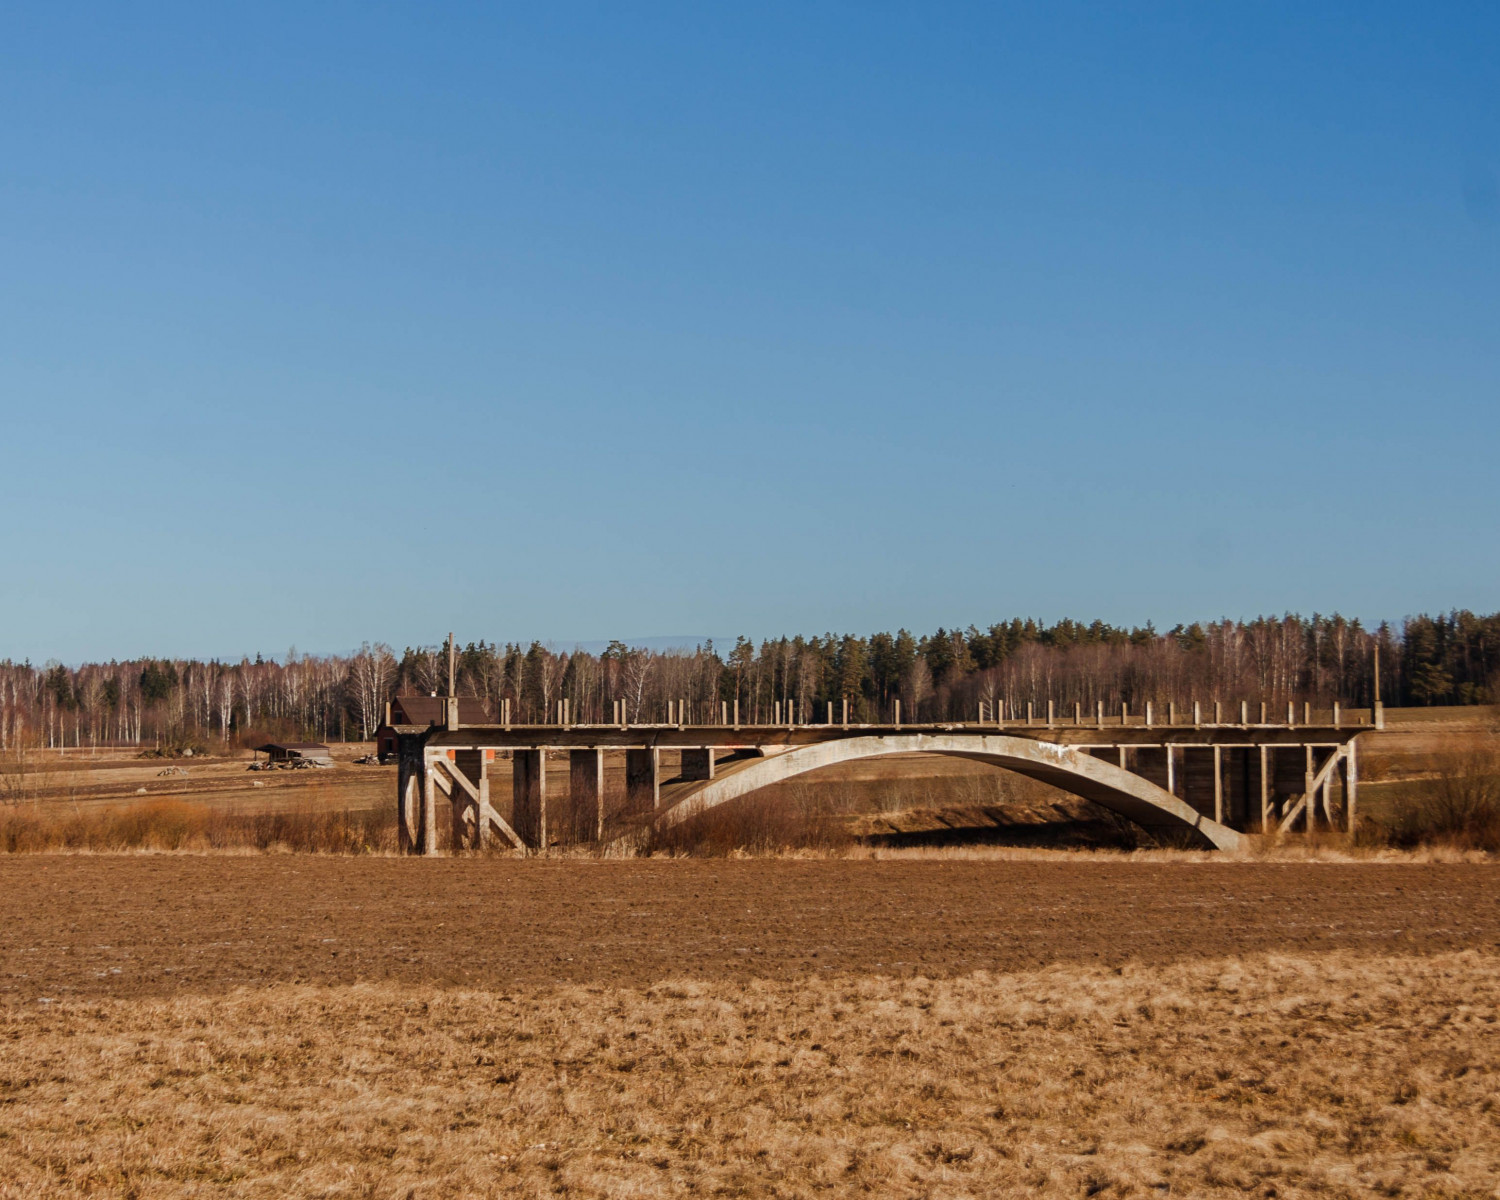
1450,659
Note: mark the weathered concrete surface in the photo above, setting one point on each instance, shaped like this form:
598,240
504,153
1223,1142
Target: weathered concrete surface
1063,767
768,737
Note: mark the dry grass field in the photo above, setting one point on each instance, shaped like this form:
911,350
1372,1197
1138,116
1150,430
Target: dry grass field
198,1025
1338,1075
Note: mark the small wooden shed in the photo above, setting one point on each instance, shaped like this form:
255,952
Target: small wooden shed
279,753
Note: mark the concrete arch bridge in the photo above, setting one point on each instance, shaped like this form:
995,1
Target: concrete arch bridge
1208,783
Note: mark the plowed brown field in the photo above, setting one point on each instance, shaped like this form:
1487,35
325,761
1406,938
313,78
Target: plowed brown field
269,1026
82,926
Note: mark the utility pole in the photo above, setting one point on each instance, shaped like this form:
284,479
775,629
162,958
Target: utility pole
451,706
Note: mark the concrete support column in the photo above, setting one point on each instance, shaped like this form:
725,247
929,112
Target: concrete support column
1241,773
642,780
586,794
409,810
429,810
408,794
1219,785
1265,789
529,797
699,763
1351,786
1307,787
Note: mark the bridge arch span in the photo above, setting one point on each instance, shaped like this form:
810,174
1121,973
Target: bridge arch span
1063,767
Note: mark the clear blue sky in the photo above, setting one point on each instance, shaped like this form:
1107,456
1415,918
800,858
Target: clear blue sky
329,322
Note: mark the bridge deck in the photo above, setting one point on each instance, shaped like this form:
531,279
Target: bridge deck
731,737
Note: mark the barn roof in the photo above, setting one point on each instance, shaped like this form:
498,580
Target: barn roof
427,710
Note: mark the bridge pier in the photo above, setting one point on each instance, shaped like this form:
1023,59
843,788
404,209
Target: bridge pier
642,779
410,787
586,794
698,763
529,797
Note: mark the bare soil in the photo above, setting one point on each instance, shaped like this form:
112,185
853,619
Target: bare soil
81,926
80,780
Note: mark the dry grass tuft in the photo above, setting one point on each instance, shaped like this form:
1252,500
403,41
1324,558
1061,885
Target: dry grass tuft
1455,802
178,825
1279,1076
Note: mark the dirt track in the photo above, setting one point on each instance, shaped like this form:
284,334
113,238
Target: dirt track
122,926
